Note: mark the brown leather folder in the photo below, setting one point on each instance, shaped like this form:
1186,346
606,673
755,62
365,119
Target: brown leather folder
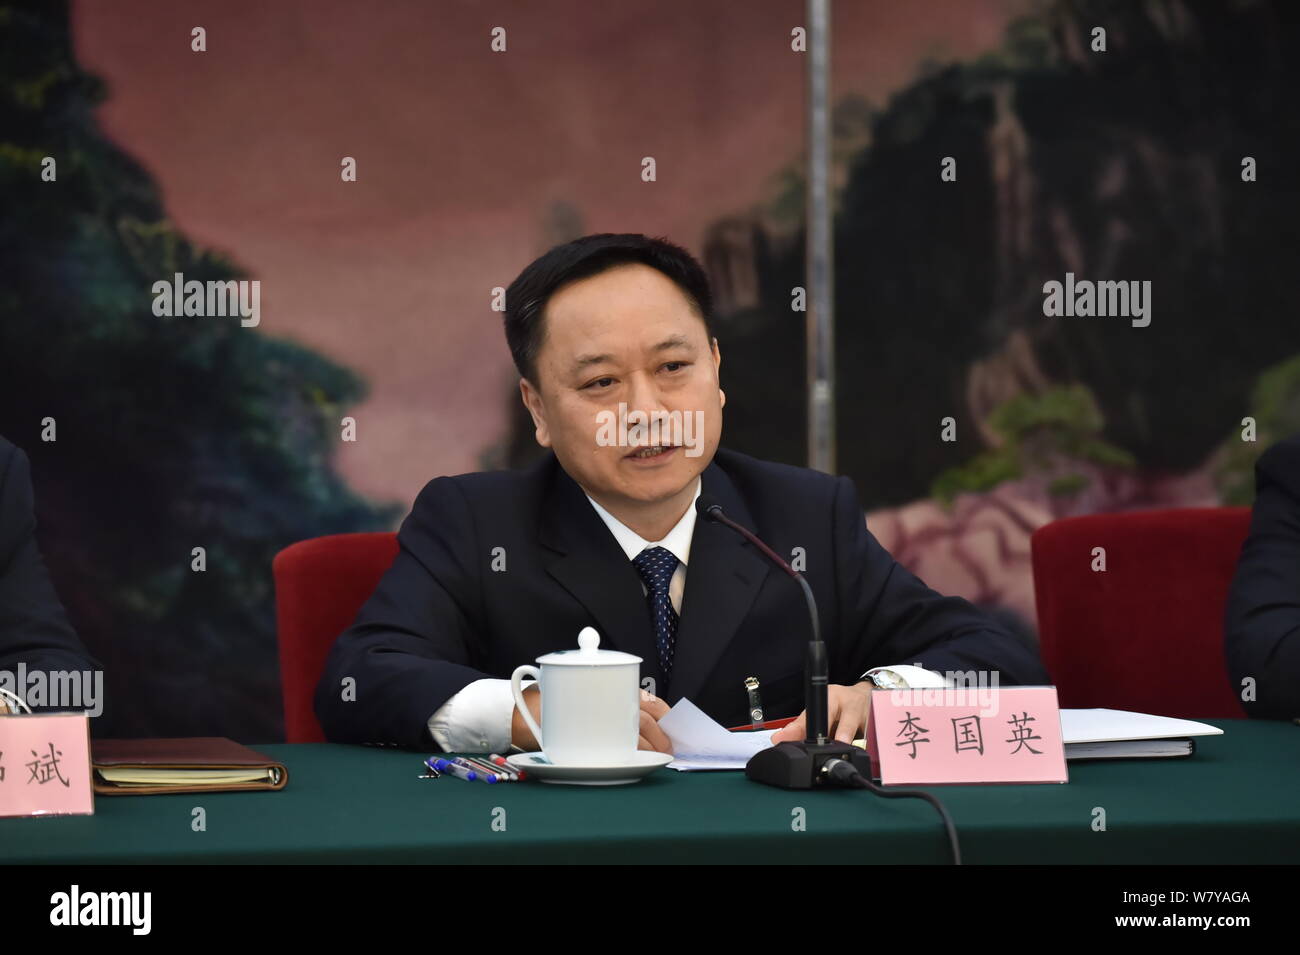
179,757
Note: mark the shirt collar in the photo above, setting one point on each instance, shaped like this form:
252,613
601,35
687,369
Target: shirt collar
677,541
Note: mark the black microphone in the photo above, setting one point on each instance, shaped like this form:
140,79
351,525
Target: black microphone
797,765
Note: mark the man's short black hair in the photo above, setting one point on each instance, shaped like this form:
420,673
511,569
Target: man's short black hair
528,294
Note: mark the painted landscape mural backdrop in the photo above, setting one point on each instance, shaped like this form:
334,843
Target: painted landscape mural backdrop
1168,158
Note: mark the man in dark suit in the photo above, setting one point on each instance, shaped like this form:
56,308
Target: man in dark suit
36,639
495,569
1262,631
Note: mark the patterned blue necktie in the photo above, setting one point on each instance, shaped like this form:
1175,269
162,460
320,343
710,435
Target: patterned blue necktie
656,566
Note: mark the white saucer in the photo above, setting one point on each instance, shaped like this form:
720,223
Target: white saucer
642,764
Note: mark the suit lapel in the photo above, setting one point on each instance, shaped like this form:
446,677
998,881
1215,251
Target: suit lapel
585,559
722,579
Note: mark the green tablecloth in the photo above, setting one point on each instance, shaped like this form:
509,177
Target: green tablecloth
1237,800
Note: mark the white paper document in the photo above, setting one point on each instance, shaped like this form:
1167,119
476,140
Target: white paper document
1104,726
699,742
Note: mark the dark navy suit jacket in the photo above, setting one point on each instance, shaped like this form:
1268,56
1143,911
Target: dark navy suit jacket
34,628
442,617
1262,631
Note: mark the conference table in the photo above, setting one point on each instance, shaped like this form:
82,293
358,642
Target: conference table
1237,800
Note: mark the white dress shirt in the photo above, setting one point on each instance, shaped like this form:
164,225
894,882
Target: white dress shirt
479,718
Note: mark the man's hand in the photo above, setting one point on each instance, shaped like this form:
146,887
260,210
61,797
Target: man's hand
520,734
846,715
650,736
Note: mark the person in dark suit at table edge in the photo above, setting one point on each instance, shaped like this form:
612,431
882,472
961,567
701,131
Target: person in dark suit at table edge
497,568
34,628
1262,620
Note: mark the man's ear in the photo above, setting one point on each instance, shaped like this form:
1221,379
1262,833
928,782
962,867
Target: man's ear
532,399
717,365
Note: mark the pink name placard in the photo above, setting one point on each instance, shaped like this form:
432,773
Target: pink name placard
966,735
45,765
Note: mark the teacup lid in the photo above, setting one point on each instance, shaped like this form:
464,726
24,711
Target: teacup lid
588,653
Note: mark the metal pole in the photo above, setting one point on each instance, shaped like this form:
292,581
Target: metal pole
820,250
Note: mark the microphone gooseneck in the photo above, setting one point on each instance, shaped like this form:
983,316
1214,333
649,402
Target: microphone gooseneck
816,665
816,761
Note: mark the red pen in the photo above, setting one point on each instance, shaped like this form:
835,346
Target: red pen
769,725
502,761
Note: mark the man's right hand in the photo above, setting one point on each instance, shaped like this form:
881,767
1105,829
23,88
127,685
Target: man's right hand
650,736
520,734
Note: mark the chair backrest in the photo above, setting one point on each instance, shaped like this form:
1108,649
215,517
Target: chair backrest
320,584
1146,633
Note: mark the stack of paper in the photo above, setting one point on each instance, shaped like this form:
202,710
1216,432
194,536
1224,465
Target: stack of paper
1119,734
701,743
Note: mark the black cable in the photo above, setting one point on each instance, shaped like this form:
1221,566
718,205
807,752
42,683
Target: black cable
844,773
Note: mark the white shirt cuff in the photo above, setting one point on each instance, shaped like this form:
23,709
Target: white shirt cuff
478,719
917,678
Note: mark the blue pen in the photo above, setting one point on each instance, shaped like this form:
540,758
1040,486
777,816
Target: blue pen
476,770
445,766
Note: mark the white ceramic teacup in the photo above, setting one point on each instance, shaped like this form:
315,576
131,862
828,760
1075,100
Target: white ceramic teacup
591,703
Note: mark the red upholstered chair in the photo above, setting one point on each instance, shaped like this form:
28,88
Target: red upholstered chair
1147,633
320,584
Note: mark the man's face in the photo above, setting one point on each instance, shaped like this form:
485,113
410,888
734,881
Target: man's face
626,341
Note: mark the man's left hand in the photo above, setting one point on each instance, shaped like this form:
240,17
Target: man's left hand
846,715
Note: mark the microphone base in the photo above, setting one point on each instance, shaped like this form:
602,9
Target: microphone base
799,765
